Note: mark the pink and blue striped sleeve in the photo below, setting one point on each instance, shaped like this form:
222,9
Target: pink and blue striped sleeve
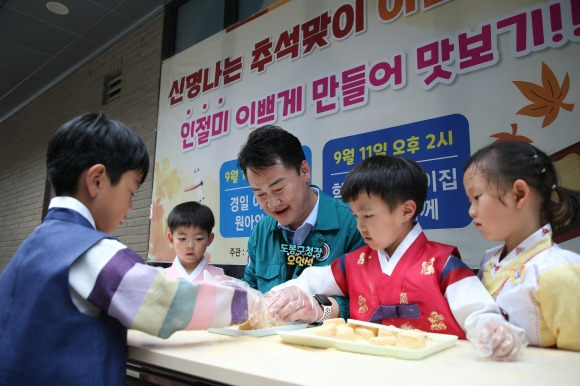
142,297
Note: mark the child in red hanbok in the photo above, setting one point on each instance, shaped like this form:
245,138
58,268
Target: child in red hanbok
399,278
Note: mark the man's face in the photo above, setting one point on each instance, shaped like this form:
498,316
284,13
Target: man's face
282,193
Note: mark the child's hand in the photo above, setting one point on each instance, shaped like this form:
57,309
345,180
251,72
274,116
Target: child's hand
220,278
257,316
291,304
497,340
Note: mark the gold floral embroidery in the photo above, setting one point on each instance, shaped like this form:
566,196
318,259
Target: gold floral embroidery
427,267
403,298
363,258
437,322
362,305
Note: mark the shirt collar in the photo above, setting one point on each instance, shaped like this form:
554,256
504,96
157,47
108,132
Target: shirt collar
312,217
388,263
71,203
527,244
181,269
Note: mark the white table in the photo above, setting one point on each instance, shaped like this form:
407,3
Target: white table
247,360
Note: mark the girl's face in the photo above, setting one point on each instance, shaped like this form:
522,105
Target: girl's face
381,227
492,217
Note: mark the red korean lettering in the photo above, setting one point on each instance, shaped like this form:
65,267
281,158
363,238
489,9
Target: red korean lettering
292,101
209,83
575,16
266,110
232,70
243,115
187,134
348,18
315,33
193,84
517,24
391,10
176,92
202,131
288,44
435,59
476,50
354,90
386,73
220,123
325,96
262,55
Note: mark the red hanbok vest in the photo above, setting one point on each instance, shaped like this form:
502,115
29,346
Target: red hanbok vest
413,296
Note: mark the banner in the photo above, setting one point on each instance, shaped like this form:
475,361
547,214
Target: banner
430,80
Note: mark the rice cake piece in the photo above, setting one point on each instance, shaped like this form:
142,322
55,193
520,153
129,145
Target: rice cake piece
245,326
384,340
335,321
411,339
365,332
328,330
345,332
387,333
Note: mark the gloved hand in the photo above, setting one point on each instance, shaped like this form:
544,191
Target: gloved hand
220,278
497,340
257,316
291,303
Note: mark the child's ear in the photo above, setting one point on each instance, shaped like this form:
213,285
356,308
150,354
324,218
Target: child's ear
210,238
409,209
521,191
94,179
170,237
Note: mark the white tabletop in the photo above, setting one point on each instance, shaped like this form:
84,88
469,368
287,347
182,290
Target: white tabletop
247,360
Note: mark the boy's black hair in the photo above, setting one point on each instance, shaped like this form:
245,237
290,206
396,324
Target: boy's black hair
394,179
271,145
88,140
191,213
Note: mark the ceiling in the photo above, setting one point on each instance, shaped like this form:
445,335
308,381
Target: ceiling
38,48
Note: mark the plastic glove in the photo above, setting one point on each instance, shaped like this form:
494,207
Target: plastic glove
257,316
220,278
497,340
290,304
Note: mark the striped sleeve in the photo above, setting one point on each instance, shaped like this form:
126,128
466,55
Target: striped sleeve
144,298
454,270
338,268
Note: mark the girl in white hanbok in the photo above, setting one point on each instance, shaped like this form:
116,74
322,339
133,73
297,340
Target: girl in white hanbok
515,198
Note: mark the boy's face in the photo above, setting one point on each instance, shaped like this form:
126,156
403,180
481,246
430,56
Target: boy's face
112,203
190,243
381,227
282,193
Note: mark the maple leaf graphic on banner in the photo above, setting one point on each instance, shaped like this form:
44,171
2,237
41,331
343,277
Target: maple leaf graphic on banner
547,98
511,137
168,182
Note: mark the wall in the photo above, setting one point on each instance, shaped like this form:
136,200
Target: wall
25,135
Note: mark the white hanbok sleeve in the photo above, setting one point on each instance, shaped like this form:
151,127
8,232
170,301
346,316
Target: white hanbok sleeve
314,280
